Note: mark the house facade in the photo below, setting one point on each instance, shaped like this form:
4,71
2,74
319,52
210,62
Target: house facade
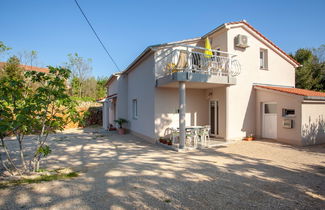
235,89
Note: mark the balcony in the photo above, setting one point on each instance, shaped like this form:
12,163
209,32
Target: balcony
192,64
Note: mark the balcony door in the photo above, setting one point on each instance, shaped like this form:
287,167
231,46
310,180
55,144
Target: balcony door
214,118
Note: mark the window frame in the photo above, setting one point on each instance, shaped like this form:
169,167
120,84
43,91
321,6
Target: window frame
263,59
286,114
135,113
269,109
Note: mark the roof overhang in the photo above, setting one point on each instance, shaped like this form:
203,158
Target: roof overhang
107,98
112,78
149,50
302,97
256,87
316,98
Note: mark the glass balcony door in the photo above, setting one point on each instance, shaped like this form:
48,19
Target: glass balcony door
214,118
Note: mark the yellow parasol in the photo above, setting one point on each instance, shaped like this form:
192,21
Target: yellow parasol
207,52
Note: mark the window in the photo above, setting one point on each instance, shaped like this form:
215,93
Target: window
263,59
270,108
288,112
135,108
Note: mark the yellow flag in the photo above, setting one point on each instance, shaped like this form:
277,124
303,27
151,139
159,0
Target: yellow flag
207,52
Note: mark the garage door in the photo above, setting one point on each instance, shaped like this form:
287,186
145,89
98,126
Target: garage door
269,121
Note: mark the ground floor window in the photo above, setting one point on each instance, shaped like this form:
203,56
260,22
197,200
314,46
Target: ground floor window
135,108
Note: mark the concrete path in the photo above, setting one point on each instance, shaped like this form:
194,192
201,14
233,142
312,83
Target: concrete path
124,172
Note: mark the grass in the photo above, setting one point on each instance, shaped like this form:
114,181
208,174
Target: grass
41,178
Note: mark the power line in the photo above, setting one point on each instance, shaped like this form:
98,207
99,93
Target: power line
100,41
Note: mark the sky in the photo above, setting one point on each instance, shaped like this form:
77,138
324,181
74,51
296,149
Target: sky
55,28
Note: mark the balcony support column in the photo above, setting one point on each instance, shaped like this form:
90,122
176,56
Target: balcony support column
182,111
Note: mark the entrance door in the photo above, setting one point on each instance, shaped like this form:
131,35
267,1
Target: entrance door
214,118
269,121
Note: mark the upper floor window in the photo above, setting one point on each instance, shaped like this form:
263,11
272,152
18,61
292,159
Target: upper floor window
263,59
135,108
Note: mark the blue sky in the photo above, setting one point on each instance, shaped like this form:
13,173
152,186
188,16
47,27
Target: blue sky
55,28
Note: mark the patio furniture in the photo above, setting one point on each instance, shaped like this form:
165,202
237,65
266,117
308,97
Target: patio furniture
194,135
191,138
204,135
195,61
182,62
174,136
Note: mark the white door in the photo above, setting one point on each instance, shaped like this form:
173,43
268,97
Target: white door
214,118
269,121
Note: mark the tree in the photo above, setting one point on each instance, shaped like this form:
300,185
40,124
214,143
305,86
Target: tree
100,88
90,87
25,110
309,75
54,107
28,57
81,70
13,93
75,84
320,53
3,47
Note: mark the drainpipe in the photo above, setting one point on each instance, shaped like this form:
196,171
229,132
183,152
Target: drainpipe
182,111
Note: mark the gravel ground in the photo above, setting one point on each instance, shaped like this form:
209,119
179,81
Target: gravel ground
124,172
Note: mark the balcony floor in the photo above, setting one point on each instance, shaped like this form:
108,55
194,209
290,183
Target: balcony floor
196,79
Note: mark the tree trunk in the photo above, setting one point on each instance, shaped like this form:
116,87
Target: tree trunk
41,141
80,89
21,150
38,163
8,155
5,166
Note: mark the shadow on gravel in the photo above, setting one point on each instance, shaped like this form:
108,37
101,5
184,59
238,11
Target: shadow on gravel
125,172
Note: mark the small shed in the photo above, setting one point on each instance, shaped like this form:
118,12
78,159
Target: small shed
290,115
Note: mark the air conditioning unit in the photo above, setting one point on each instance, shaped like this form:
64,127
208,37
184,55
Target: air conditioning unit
241,41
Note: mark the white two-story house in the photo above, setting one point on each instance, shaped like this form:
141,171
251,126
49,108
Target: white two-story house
245,86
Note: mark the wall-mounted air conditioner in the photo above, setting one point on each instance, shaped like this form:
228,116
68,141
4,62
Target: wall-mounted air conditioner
241,41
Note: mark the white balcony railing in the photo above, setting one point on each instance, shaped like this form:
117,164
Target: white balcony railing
183,58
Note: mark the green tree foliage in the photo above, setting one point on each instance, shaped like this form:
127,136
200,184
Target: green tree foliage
100,88
28,57
75,84
311,75
14,112
81,69
82,85
3,47
24,110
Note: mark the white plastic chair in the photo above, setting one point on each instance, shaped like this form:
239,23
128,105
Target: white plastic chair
205,137
174,135
192,138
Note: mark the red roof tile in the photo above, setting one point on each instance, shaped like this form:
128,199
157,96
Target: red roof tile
29,68
295,91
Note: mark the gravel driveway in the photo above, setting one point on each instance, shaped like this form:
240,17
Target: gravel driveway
124,172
